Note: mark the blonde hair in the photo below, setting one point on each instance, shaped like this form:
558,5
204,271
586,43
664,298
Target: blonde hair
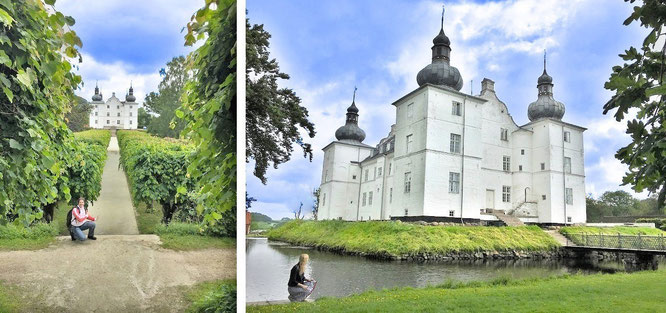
301,262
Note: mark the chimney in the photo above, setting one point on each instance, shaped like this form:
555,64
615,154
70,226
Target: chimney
487,85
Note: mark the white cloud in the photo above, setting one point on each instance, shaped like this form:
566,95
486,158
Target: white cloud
114,77
524,26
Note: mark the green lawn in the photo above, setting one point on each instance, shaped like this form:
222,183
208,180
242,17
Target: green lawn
624,230
215,296
395,238
637,292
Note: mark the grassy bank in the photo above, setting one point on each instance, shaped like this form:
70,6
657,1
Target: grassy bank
216,296
589,293
395,238
20,238
178,235
623,230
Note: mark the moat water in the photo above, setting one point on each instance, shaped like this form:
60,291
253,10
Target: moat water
269,262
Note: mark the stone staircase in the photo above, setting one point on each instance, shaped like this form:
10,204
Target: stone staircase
509,220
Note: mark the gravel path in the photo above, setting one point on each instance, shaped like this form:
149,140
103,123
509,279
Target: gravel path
114,205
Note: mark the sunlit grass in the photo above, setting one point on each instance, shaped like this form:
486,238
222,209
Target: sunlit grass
396,238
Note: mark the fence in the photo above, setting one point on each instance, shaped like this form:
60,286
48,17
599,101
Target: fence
619,241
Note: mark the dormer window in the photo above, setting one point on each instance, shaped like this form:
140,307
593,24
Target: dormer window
504,134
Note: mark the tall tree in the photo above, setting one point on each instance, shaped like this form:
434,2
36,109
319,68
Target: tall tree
166,100
274,116
143,118
618,203
36,90
209,111
78,118
315,204
639,83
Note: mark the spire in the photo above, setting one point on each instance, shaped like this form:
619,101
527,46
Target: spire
350,131
545,106
130,96
442,16
440,72
97,96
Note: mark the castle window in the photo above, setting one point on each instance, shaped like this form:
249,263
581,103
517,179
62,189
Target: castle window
323,199
506,193
117,107
370,198
108,114
567,165
374,175
108,106
95,113
520,168
118,122
365,198
118,114
130,107
390,195
108,122
95,121
522,151
451,213
569,195
567,137
130,113
454,146
410,110
543,166
456,108
454,182
390,165
408,182
353,176
130,122
506,163
379,172
543,197
406,212
504,134
367,171
409,143
568,219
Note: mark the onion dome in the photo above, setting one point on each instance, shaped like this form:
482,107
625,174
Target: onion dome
130,97
97,96
350,131
440,72
545,106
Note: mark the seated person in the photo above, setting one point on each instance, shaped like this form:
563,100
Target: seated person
82,221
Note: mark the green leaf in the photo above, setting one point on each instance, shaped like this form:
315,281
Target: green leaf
24,78
15,144
5,18
658,90
50,2
9,94
4,59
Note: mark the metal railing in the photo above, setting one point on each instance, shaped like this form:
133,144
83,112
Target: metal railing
618,241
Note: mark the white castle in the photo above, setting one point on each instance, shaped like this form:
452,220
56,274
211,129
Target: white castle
456,157
114,114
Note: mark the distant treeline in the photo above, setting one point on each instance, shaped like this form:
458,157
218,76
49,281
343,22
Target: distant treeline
620,203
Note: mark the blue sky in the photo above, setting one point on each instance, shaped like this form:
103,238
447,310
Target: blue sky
328,47
127,40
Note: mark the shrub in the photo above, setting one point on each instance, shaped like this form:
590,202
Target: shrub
218,300
658,222
94,136
36,231
157,170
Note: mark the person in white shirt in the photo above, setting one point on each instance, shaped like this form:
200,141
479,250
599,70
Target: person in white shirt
82,221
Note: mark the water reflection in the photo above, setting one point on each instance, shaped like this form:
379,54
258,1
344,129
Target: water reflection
269,262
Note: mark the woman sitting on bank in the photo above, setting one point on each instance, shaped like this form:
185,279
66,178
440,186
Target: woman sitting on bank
300,287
